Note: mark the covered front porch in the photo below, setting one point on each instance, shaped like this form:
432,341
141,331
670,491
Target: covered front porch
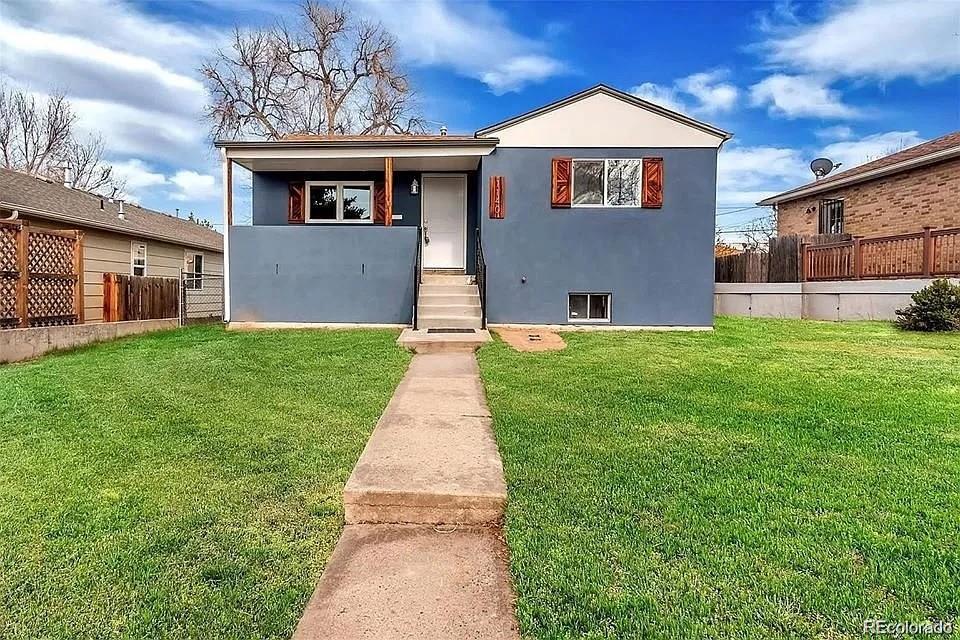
340,228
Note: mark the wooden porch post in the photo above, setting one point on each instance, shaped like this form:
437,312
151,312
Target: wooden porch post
80,301
857,258
228,178
388,191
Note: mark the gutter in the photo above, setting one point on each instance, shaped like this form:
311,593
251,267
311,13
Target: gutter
337,144
873,174
84,222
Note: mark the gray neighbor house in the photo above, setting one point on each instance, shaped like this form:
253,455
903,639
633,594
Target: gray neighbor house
593,211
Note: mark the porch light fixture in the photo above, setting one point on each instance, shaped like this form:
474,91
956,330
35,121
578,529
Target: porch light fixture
414,187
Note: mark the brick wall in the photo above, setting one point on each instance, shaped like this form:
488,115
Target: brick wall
902,203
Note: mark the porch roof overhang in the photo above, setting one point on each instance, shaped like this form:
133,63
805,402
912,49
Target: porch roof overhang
433,153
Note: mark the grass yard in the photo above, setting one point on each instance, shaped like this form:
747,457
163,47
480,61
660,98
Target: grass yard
185,484
768,479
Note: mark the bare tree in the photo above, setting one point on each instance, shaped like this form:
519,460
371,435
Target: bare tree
331,73
758,232
37,137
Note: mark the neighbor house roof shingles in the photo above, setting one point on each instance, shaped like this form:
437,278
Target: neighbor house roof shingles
937,145
73,207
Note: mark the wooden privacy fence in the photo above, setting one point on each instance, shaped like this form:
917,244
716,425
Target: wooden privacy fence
41,276
925,254
139,298
780,263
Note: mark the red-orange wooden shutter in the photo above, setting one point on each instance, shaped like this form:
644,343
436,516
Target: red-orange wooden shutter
652,195
379,203
295,203
560,192
497,204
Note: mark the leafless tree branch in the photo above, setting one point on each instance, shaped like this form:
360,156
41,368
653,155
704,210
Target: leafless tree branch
330,73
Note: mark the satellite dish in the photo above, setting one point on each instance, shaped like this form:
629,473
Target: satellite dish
822,166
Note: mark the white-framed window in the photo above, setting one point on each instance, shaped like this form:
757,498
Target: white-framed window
138,258
346,201
193,271
607,182
588,307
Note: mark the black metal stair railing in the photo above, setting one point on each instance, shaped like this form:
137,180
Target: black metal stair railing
481,281
417,276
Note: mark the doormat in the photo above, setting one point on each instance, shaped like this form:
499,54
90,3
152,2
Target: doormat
532,340
451,330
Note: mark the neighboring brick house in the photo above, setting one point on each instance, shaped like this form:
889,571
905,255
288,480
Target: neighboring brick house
900,193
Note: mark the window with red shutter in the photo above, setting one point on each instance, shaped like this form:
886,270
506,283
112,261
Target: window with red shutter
295,203
652,195
497,203
560,191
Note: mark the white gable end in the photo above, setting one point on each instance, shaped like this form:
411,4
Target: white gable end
602,120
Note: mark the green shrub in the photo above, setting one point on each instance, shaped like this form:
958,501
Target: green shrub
936,307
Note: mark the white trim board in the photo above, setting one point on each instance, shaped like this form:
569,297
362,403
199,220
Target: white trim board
598,327
259,326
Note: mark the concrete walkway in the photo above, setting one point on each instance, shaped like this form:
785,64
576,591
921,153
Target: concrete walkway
422,554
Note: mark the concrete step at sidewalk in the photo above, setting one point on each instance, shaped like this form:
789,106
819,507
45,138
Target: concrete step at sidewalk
432,458
393,582
447,322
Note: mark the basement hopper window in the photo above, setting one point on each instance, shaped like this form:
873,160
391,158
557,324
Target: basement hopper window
588,307
339,202
607,183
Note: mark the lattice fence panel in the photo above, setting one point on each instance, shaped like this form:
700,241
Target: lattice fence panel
50,254
9,274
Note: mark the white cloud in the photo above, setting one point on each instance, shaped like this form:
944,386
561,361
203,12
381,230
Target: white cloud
194,186
879,40
800,96
711,92
137,176
661,95
472,39
854,152
746,175
836,132
702,93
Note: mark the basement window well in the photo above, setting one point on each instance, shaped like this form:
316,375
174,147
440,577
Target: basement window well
588,307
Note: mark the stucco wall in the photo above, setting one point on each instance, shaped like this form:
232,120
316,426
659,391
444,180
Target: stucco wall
322,273
902,203
656,263
271,190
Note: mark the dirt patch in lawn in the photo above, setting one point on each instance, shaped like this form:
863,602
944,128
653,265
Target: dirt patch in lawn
532,339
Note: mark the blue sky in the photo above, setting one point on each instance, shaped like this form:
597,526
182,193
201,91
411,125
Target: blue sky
850,80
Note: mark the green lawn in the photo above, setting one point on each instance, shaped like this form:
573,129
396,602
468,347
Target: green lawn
768,479
185,484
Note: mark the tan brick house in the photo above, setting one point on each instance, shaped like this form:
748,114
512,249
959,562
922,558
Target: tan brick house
900,193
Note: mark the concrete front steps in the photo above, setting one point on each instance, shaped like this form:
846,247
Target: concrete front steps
448,302
432,458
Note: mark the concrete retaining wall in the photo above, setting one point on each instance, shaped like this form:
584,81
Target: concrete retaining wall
839,300
24,344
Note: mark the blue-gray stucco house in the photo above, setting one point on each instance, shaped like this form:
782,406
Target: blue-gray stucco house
596,210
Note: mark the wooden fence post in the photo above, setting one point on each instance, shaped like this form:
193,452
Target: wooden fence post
23,268
78,267
803,262
857,259
927,252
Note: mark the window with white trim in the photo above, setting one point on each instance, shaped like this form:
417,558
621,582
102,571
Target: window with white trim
138,259
339,202
607,182
588,307
193,271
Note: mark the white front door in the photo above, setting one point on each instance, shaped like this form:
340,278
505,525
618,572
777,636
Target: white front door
444,221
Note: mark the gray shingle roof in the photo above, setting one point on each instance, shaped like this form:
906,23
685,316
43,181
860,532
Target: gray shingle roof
72,207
